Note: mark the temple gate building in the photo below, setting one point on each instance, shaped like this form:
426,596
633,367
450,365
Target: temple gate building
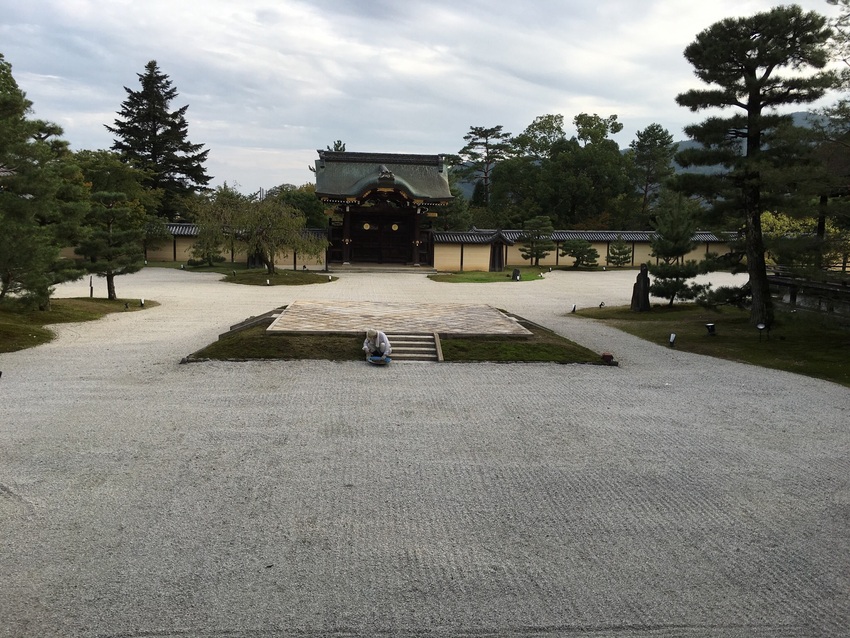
383,205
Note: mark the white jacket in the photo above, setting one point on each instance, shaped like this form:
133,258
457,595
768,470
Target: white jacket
379,343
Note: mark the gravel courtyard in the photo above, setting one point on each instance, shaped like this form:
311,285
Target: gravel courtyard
675,495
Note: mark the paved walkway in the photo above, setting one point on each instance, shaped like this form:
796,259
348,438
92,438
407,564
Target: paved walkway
675,495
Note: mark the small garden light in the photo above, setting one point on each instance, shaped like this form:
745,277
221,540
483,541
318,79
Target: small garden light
672,339
711,330
762,327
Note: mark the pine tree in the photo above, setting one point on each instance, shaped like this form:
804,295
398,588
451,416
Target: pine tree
671,280
675,225
484,148
537,239
116,227
619,253
113,242
42,198
154,139
581,251
755,64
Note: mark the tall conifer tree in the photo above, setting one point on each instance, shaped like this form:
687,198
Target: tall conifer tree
154,139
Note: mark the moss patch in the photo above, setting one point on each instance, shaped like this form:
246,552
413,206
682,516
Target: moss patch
22,328
809,343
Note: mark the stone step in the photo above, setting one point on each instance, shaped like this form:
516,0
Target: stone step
394,339
402,356
414,347
415,351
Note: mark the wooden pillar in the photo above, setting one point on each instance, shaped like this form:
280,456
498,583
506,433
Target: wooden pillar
416,241
346,236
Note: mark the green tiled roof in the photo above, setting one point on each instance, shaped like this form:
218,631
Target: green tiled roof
342,176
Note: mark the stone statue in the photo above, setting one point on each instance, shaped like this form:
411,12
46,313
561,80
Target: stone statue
640,292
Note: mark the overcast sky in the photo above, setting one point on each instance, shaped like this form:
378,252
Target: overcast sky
270,81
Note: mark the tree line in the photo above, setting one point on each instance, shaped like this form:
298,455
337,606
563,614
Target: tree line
111,205
581,182
747,162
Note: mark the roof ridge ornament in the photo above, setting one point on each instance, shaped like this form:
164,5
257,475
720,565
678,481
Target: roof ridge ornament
386,175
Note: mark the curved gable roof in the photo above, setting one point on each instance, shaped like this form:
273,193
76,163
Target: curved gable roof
343,176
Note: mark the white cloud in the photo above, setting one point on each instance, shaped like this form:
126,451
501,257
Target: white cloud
267,83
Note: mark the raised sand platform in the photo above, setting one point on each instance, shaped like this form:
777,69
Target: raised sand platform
409,317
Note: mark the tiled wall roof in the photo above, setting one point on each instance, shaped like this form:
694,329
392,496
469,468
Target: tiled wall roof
481,236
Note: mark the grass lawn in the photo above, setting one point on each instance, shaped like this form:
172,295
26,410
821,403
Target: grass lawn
21,328
526,273
805,342
239,274
255,343
543,345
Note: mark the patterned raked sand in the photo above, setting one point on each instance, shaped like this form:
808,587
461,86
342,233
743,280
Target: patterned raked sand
356,316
